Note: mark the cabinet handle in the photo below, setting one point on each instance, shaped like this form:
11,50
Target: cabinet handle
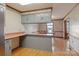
9,47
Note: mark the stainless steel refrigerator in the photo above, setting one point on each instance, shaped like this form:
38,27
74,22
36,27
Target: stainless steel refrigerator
2,40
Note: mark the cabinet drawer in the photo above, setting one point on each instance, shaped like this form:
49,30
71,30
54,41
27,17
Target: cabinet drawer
8,47
15,42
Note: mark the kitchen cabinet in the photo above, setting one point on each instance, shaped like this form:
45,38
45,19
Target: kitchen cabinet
74,41
12,41
37,41
36,18
8,47
45,17
24,18
15,42
11,44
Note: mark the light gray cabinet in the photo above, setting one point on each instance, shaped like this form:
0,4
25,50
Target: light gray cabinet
36,18
45,17
24,18
38,42
8,47
74,42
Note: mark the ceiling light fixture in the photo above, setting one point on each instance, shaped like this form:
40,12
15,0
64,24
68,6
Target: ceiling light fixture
24,3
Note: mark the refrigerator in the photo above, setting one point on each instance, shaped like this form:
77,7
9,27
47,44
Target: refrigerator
2,40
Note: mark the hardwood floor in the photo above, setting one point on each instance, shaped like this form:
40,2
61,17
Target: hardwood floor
59,50
60,45
34,52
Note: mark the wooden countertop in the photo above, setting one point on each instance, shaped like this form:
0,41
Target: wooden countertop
12,35
17,34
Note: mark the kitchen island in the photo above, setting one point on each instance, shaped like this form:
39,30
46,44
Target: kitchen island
38,41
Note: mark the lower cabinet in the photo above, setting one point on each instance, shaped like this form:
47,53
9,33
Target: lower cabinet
14,42
38,42
74,41
8,48
11,44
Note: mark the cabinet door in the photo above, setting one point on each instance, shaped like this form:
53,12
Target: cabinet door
74,41
8,47
31,18
38,42
36,18
24,18
71,41
45,17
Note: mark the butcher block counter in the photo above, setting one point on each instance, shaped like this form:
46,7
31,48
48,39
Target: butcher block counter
13,35
17,34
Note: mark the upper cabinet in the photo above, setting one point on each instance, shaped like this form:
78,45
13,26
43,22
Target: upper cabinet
37,18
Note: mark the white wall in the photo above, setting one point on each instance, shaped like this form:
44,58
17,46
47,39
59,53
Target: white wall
31,28
12,21
74,28
74,21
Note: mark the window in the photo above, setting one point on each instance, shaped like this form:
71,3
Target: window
50,28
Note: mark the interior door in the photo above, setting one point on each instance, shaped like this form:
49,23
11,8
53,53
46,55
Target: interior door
66,28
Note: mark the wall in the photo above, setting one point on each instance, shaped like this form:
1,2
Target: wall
42,28
73,17
74,28
58,28
31,28
12,21
57,19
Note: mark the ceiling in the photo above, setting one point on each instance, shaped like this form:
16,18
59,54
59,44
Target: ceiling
59,9
29,7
